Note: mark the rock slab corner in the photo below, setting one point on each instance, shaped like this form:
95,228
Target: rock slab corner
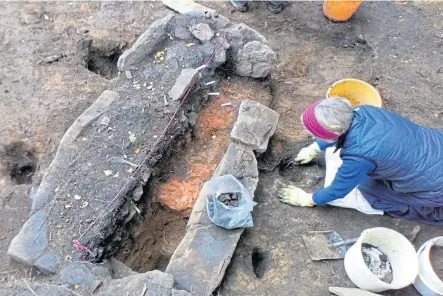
255,125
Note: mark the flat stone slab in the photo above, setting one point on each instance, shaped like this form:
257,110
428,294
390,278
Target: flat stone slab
255,125
187,7
184,82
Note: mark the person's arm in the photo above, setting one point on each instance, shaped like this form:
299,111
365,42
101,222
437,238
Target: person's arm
322,145
351,173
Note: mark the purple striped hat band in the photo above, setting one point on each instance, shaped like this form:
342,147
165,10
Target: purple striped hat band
314,127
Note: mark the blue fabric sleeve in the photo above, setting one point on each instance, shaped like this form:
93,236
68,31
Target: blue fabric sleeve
323,145
349,175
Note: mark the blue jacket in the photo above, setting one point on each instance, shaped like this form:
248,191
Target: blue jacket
406,175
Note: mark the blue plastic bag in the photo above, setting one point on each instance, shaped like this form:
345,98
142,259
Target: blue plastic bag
228,217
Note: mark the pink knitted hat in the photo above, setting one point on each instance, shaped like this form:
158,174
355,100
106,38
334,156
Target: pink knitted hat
314,127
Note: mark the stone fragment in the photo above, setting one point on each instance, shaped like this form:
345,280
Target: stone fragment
48,263
82,30
145,45
85,274
157,283
52,58
350,292
202,32
255,125
105,121
32,240
192,118
251,55
255,60
30,17
128,74
119,269
187,7
180,293
199,263
137,193
183,83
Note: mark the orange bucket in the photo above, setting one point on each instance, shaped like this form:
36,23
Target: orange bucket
340,10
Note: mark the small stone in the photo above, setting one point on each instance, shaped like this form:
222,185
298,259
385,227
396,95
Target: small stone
89,220
149,87
77,197
105,121
202,32
186,79
192,118
82,30
52,58
128,74
48,263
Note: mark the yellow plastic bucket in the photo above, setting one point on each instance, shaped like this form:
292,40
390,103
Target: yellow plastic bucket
340,10
356,91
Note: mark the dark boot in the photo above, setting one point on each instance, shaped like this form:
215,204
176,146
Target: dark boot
240,5
275,6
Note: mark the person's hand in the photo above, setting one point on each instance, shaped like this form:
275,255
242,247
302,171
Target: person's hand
307,154
295,196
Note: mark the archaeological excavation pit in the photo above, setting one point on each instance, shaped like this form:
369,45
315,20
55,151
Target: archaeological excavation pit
127,177
170,196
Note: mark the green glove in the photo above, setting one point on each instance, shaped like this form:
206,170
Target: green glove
295,196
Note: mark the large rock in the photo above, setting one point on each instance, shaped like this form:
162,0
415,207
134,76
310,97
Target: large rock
65,153
255,125
182,84
251,56
85,275
146,44
199,263
48,263
157,283
255,59
202,32
32,240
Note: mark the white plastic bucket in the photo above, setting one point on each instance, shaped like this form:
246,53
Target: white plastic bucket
400,252
427,282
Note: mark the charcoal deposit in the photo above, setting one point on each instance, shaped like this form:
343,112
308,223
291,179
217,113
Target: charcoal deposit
231,199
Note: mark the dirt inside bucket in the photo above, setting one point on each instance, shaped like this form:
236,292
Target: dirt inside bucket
377,262
437,260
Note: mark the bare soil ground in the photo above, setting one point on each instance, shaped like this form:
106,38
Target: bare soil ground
396,46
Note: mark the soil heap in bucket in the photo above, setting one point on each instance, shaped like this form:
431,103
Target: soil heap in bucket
400,254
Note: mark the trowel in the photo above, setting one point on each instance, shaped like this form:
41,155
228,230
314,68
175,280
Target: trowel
326,245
